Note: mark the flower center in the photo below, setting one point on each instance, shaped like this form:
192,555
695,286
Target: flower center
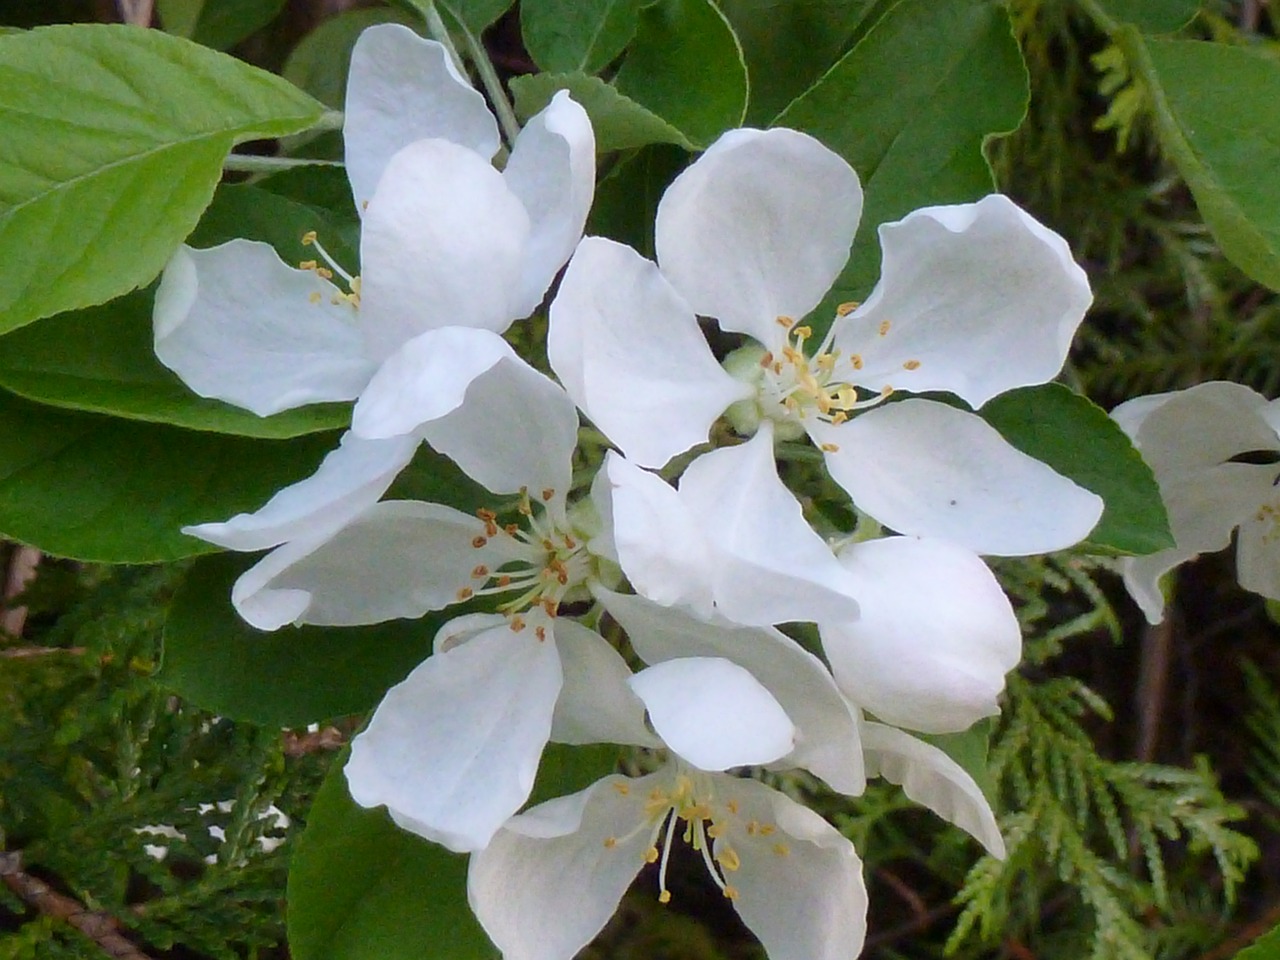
552,560
309,239
692,800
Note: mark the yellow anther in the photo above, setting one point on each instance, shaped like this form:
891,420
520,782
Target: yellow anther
479,542
844,309
856,361
541,633
610,842
781,850
732,806
911,365
785,322
753,827
839,417
767,829
831,447
664,896
315,296
651,855
308,238
504,581
511,529
767,360
548,493
715,830
480,572
728,858
802,333
551,607
324,273
884,327
622,789
308,265
886,390
569,542
466,593
517,624
730,892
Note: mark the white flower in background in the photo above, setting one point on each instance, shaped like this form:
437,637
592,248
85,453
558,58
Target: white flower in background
552,877
452,252
1198,442
974,299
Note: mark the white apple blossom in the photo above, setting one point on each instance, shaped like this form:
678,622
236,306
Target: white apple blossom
452,252
975,299
1198,442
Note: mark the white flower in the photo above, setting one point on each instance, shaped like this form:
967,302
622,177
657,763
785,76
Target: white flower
452,252
552,877
974,299
1196,441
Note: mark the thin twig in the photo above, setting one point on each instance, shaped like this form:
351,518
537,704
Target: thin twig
22,570
1153,686
26,653
101,928
136,12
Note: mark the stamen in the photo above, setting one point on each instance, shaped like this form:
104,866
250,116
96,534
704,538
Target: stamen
315,296
785,322
610,842
781,850
831,448
884,327
911,365
466,593
844,309
548,493
333,264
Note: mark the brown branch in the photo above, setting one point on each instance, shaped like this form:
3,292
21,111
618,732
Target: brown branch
1153,686
136,12
21,571
101,928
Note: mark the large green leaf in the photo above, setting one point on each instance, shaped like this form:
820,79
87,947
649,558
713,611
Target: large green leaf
117,491
113,142
362,889
788,46
1153,16
1266,947
100,360
626,200
568,36
686,66
1217,110
619,122
1069,433
910,107
320,62
220,24
289,677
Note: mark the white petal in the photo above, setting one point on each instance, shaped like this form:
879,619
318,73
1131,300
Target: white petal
930,470
238,324
551,879
714,713
827,738
403,88
799,888
400,558
596,704
349,480
443,245
452,750
935,639
630,352
1258,551
770,565
659,544
1199,427
552,170
1205,507
931,778
758,227
977,298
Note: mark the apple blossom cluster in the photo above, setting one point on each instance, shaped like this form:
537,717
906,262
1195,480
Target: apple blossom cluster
679,542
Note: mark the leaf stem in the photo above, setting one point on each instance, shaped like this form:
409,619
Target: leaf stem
249,163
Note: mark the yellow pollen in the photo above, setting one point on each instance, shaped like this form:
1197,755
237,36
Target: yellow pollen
785,322
844,309
308,265
466,593
315,296
839,417
732,806
664,896
511,529
767,360
767,829
802,333
856,361
308,238
324,273
569,542
911,365
622,789
831,447
715,830
548,493
551,607
753,827
610,842
730,892
517,624
884,327
479,542
886,390
728,858
781,850
651,855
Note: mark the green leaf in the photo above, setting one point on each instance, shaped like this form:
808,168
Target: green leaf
360,888
116,491
113,143
1069,433
220,24
474,14
1266,947
320,62
1217,112
910,107
626,200
100,360
788,46
969,749
619,122
578,36
686,66
1153,16
288,677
